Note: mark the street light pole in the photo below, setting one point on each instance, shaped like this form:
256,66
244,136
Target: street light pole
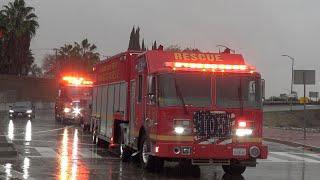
292,64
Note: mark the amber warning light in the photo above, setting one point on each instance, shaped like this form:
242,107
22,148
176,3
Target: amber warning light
210,67
77,81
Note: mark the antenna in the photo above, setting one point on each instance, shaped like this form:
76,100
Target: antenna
227,50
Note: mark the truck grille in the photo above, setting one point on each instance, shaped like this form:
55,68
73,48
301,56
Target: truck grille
211,125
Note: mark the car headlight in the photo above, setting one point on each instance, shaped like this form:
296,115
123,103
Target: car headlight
76,110
66,110
179,130
11,111
29,111
243,132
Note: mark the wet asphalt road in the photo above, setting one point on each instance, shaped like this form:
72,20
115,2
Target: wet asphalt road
49,150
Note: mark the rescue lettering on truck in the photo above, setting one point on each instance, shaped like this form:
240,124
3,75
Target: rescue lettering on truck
195,108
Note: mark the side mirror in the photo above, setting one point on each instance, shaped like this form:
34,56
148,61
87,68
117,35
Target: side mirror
263,86
152,98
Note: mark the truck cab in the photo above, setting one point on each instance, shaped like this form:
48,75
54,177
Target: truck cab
74,95
202,108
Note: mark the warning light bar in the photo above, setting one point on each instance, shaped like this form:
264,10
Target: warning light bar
77,81
207,67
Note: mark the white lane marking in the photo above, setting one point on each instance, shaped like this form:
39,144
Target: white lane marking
10,173
273,159
313,155
286,154
46,152
86,153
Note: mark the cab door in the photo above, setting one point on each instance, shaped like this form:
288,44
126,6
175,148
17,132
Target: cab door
132,117
151,119
140,102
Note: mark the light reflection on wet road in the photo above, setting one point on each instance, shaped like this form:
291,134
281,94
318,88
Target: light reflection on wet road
49,150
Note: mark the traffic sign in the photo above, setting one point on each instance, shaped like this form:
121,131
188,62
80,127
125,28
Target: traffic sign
313,94
304,77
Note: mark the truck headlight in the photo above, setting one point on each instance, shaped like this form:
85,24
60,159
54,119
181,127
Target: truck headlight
11,111
66,110
243,132
182,126
179,130
76,111
29,111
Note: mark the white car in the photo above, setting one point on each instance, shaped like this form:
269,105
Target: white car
22,109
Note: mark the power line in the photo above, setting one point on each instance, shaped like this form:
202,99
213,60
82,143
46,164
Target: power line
43,49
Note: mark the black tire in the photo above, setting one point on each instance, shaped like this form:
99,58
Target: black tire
149,162
233,169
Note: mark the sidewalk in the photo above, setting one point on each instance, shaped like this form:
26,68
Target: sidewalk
292,137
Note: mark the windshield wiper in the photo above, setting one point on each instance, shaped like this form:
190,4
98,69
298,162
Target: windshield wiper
179,94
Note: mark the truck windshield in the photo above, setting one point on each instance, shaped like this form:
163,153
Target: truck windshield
229,93
195,90
76,92
22,104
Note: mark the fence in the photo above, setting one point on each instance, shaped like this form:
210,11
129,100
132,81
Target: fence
25,88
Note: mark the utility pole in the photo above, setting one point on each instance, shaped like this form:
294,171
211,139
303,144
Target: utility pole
291,91
304,107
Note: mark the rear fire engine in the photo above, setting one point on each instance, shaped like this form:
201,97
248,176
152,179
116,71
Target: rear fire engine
74,98
194,108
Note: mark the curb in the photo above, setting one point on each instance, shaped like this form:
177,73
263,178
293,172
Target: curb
294,144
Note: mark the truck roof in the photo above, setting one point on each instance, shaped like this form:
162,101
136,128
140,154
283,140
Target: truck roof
157,60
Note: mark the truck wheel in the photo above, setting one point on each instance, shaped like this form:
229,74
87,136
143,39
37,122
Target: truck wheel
149,162
233,169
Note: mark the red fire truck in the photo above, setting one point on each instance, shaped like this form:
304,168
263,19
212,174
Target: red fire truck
194,108
74,99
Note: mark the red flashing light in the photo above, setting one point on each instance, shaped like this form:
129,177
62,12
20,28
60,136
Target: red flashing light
242,124
212,67
77,81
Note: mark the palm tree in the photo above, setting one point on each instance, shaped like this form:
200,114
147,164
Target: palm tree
20,26
78,56
35,70
86,51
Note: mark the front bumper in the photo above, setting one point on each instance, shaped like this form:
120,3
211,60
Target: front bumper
72,117
209,151
20,114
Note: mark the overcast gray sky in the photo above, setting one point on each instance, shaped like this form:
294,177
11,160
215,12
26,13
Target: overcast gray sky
260,30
